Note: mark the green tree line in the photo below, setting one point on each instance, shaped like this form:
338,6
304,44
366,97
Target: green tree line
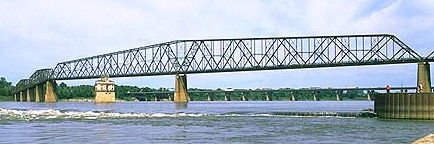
280,94
88,91
5,90
126,93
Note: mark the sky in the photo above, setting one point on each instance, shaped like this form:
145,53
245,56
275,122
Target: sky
36,34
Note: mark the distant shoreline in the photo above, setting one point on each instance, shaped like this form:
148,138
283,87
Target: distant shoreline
120,100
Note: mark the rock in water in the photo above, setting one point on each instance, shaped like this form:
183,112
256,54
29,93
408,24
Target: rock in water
429,139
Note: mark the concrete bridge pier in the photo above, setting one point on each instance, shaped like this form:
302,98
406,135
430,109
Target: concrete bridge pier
369,97
227,96
419,105
31,95
21,97
209,97
293,98
24,97
155,97
50,94
314,97
15,97
28,95
181,94
105,90
423,77
169,97
268,96
243,96
37,98
338,97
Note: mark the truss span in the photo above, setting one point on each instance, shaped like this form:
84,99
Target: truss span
224,55
227,55
38,77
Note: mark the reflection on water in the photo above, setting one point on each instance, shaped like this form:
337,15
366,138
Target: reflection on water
201,122
181,106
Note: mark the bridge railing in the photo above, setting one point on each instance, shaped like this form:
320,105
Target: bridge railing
224,55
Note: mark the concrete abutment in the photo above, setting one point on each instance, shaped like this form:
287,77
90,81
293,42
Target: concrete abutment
404,105
419,105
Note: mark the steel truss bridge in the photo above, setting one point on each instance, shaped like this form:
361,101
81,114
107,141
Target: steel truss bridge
228,55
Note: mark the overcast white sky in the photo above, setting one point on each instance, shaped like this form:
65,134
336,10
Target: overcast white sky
37,34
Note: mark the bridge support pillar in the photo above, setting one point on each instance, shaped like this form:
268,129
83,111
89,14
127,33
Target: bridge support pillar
50,94
227,97
315,98
37,99
169,97
369,97
21,96
338,97
28,95
105,90
293,97
243,98
268,96
423,77
181,94
209,97
15,97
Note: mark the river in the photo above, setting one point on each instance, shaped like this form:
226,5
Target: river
201,122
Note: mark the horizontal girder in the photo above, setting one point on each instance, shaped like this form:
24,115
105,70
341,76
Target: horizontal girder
226,55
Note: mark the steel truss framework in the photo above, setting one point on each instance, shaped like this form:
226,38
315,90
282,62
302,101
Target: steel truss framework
37,78
430,57
226,55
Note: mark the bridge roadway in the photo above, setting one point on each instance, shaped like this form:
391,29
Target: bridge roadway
230,55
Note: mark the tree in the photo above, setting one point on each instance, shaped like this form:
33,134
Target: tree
5,89
64,91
